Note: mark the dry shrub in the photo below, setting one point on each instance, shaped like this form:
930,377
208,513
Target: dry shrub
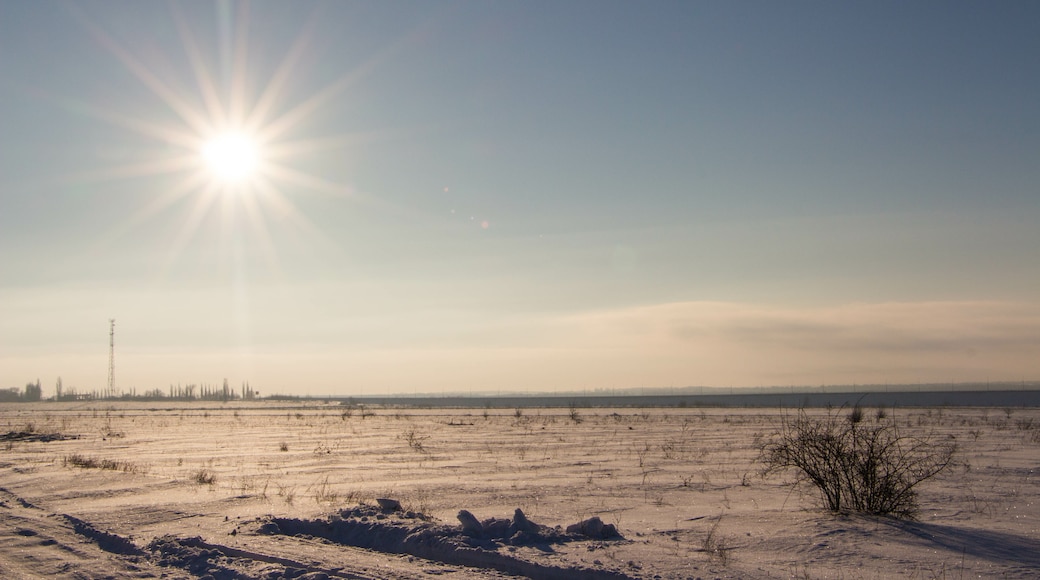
857,467
415,441
574,415
204,477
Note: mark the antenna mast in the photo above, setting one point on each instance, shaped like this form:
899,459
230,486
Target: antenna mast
111,358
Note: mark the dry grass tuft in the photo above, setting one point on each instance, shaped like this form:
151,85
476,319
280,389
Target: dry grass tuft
715,544
85,462
323,492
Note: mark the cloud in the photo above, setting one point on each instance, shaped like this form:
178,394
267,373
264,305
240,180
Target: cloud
887,327
754,344
305,349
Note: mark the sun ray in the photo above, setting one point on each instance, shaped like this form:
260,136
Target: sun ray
292,176
278,81
208,195
279,126
149,168
163,133
258,223
189,185
238,78
289,149
288,212
177,104
203,77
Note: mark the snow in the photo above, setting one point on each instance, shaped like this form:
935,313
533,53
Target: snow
682,487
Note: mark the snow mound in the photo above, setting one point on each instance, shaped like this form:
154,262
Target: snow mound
490,543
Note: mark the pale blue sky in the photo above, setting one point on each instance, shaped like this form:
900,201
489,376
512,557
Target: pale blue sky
524,195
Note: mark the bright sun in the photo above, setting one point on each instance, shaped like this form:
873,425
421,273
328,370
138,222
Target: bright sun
231,147
232,157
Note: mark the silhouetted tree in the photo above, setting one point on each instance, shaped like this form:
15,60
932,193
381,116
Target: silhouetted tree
33,391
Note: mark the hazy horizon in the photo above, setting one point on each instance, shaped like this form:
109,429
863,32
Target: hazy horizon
518,197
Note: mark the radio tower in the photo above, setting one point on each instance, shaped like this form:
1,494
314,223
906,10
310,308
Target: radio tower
111,358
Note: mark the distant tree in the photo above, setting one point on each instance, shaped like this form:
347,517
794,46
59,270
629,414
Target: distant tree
33,391
57,390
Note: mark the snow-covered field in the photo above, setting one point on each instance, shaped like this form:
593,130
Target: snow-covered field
274,489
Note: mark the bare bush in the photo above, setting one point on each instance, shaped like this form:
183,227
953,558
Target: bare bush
573,414
857,467
204,477
415,441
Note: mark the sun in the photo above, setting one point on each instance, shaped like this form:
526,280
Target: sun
232,151
232,158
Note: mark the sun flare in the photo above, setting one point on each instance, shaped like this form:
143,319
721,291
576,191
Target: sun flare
231,147
232,157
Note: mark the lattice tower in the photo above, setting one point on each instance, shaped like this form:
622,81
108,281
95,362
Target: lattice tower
111,358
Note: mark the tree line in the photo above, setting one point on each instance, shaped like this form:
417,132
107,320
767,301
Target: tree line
33,391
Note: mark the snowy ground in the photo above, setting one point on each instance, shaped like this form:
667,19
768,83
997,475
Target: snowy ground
281,490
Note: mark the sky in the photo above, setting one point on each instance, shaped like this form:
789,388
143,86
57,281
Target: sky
493,196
